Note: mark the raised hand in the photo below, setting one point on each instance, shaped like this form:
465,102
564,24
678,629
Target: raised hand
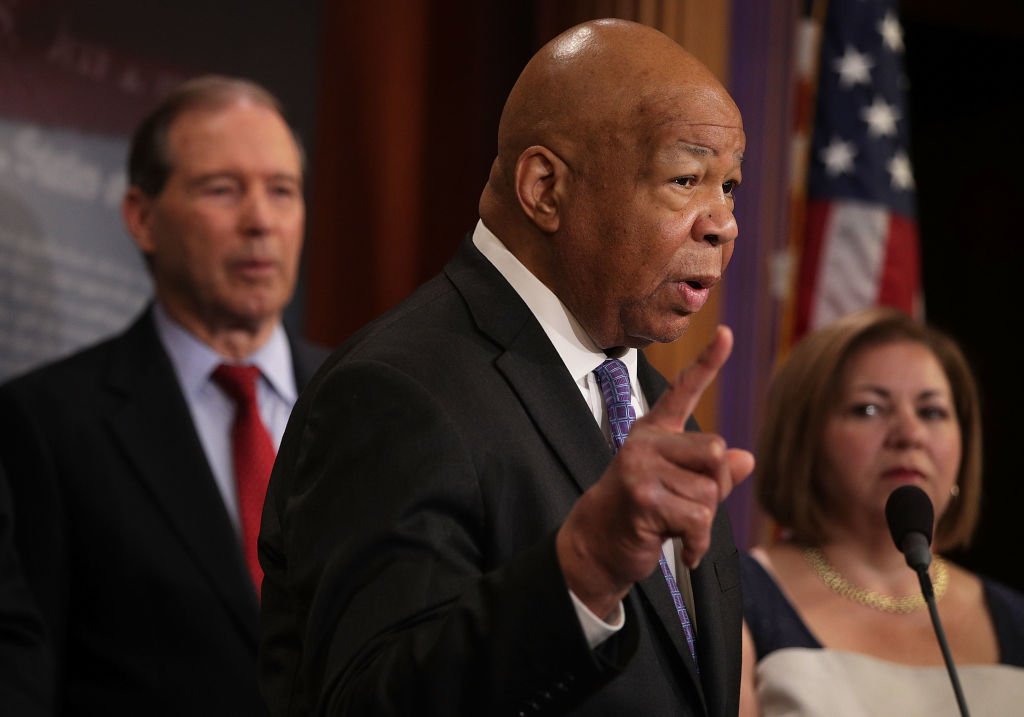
663,483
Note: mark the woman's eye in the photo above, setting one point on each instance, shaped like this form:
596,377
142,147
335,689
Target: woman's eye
867,410
933,413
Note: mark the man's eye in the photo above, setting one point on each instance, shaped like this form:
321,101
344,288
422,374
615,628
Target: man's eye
284,190
684,181
730,187
218,190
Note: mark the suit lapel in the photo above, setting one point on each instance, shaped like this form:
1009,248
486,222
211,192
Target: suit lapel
555,403
654,588
556,407
655,592
154,428
717,595
532,366
713,584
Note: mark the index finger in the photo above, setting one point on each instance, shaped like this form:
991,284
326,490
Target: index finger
678,402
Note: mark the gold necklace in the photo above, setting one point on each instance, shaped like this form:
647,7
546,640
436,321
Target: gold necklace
886,603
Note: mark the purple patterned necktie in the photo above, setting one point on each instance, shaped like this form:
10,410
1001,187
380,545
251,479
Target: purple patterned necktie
613,378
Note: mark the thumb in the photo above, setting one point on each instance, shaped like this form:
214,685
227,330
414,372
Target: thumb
741,465
677,403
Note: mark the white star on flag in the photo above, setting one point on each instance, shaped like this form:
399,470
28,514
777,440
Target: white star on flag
858,243
881,118
892,33
854,68
838,157
900,171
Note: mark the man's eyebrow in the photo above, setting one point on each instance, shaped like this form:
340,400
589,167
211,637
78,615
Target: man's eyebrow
697,149
211,177
234,176
287,176
700,150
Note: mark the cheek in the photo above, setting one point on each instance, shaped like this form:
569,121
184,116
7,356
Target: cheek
673,231
844,451
190,233
293,240
205,254
949,450
727,250
290,265
657,250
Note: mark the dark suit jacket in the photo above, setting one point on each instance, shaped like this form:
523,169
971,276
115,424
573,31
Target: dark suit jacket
408,535
125,538
26,665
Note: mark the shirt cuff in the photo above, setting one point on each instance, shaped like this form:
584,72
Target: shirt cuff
595,629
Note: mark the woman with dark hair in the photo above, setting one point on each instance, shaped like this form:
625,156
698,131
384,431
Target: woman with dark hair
833,619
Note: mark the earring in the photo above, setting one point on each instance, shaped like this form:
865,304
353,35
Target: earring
955,491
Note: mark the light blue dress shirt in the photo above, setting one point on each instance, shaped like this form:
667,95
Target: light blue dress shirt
213,411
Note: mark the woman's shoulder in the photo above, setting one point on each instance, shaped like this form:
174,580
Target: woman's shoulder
1006,606
771,618
1002,593
761,582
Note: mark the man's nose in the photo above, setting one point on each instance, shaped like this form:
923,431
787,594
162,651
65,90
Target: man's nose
256,216
716,223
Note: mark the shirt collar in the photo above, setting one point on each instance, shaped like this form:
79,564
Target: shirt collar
574,346
194,360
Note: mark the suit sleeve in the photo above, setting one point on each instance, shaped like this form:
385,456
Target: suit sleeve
26,664
28,458
380,523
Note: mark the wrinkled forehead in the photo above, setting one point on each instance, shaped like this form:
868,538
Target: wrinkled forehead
689,120
686,104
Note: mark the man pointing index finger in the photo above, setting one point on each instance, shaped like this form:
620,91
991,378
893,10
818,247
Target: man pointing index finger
457,523
677,404
662,483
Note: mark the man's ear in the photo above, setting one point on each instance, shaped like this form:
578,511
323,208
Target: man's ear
540,186
136,211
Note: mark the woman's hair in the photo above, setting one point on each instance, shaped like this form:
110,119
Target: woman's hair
804,392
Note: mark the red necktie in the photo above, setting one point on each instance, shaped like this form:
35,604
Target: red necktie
253,455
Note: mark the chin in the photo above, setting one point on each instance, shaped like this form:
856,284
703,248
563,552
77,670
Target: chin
668,333
253,315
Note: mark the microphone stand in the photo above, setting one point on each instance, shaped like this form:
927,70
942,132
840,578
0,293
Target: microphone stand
929,598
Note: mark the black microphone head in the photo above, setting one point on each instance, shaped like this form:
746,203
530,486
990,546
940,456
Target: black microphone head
909,510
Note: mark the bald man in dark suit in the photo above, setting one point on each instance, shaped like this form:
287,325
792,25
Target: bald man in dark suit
486,503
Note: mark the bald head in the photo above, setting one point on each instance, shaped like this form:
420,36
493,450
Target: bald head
608,124
605,80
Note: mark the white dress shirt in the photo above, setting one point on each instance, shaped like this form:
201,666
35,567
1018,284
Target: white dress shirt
580,356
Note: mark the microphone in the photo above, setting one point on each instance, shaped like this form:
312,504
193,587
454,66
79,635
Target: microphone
910,516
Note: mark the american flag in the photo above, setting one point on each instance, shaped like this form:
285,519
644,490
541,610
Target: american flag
857,242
